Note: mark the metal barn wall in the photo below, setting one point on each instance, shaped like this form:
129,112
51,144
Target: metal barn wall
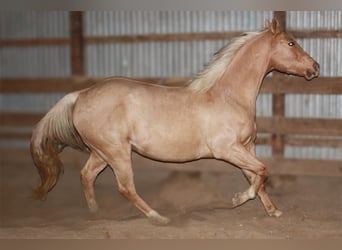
42,61
163,59
35,62
160,59
328,52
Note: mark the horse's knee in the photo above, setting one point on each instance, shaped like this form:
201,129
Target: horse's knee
262,171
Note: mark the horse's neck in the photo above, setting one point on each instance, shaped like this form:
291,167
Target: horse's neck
243,77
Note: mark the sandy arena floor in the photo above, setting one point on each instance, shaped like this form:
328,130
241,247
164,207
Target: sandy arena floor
197,203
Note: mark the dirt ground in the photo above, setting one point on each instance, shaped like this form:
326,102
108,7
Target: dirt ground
197,203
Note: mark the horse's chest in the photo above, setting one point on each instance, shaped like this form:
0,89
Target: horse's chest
241,126
247,133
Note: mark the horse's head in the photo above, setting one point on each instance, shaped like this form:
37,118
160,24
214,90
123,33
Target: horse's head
287,56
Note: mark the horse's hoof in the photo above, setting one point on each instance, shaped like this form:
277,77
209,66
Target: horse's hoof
236,200
239,199
277,213
93,208
157,219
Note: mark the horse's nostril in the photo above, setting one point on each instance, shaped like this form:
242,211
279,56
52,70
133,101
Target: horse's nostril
309,72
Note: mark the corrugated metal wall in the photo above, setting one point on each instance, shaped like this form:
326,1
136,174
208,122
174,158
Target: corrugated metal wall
160,59
163,59
22,62
146,22
328,52
41,61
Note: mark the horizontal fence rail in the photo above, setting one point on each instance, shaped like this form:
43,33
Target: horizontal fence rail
274,85
200,36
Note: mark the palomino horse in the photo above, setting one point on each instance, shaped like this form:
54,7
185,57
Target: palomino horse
213,116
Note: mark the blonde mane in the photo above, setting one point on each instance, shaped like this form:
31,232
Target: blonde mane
219,63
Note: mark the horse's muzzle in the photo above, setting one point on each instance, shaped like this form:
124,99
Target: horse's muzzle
312,73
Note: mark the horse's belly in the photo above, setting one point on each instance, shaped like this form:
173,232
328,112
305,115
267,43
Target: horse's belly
172,150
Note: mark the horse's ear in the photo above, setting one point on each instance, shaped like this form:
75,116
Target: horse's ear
267,24
274,27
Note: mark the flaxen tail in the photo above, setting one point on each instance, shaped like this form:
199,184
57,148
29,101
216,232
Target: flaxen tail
54,132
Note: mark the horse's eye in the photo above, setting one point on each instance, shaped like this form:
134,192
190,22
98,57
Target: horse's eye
291,44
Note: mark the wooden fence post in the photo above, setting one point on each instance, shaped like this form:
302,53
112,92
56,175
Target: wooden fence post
76,43
278,100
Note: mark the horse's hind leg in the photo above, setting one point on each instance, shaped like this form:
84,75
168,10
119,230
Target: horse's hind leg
120,162
91,169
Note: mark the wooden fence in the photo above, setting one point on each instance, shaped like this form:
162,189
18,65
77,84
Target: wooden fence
280,127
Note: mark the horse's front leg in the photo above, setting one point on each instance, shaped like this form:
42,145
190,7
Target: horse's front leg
238,155
263,195
266,201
